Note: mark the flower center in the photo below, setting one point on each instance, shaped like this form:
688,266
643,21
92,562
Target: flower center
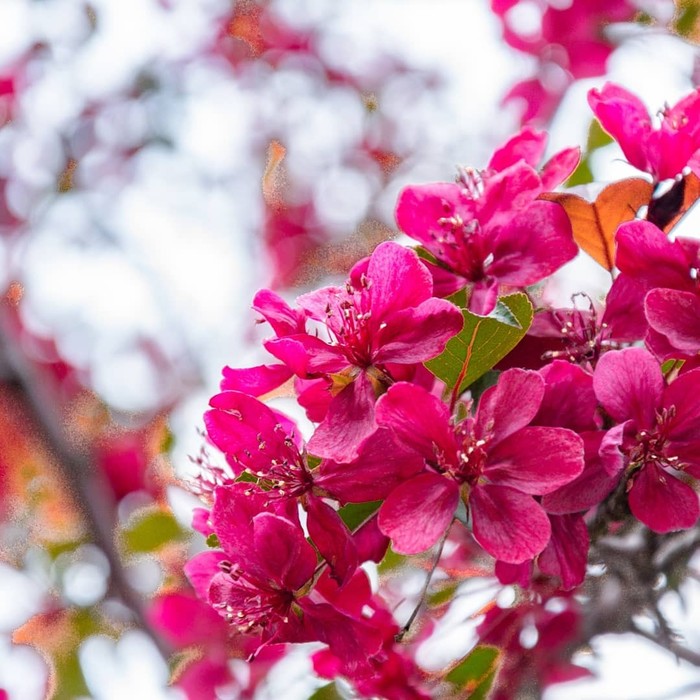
348,320
651,445
251,606
286,475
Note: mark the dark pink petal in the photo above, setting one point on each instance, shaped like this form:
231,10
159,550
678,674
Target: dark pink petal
536,460
381,465
398,279
445,282
629,384
201,569
348,422
510,405
283,319
232,515
644,252
681,398
602,473
509,574
417,513
185,620
314,396
419,420
661,501
508,524
201,679
200,521
508,191
352,640
418,334
255,381
676,315
282,551
241,414
370,541
567,552
528,145
532,245
332,539
569,400
307,355
316,304
625,118
624,317
483,296
558,168
420,207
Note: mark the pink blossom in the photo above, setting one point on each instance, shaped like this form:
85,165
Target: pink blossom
662,426
385,316
662,150
494,462
489,228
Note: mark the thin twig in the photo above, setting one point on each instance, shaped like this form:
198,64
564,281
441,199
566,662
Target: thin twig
86,484
424,590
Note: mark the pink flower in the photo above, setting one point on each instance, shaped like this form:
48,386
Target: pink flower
662,425
494,462
661,275
663,150
263,582
489,228
262,444
384,317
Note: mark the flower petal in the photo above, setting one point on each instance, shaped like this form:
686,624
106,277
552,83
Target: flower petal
418,334
629,384
661,501
398,279
510,405
536,460
419,420
566,554
676,315
508,524
417,513
348,422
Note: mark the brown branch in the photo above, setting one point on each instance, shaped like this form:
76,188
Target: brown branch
86,484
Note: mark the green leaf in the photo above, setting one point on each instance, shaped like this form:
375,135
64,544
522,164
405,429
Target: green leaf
151,529
354,514
687,15
70,682
442,596
474,675
482,342
213,541
327,692
597,138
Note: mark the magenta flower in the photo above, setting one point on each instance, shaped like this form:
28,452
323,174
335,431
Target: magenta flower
263,582
662,425
489,228
663,150
494,461
263,444
384,316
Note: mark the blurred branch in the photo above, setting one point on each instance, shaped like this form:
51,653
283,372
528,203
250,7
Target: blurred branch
671,645
87,485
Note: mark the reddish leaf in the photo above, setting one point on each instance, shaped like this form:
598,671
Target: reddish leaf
594,223
666,211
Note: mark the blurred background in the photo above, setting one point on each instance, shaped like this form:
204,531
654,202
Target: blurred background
160,161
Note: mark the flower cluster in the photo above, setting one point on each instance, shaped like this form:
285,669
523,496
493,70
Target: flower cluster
505,464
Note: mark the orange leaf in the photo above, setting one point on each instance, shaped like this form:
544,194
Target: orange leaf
594,223
273,177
